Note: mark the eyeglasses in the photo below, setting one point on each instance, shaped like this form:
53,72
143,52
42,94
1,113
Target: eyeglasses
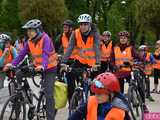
98,84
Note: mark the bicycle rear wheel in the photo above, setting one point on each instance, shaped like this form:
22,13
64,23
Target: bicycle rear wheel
14,109
135,103
41,108
76,100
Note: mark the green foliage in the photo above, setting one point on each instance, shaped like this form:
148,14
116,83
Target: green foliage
9,18
51,12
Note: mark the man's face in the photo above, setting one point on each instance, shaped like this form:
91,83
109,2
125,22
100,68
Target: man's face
84,27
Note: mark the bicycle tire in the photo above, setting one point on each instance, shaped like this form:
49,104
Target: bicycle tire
76,100
34,82
14,102
133,94
41,108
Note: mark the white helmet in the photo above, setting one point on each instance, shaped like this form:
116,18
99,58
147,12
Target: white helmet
142,47
5,37
85,18
108,33
33,24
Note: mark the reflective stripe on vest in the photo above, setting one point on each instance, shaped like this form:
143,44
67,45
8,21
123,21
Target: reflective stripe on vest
65,43
157,64
148,67
113,114
86,52
36,52
106,51
121,57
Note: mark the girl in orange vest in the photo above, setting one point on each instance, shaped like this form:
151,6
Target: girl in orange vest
107,103
156,67
149,58
106,50
7,54
123,52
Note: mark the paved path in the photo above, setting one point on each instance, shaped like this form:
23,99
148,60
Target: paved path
63,113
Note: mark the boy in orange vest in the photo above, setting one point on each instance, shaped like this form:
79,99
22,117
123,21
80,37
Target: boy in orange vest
107,103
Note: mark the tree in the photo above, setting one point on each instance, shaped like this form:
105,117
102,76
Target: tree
51,12
9,19
147,15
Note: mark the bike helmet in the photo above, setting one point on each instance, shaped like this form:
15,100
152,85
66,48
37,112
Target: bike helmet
124,33
33,24
107,33
85,18
105,83
69,23
143,47
4,37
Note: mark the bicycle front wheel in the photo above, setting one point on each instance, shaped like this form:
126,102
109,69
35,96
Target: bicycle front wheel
135,103
76,100
14,109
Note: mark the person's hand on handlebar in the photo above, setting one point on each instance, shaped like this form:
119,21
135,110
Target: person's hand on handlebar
39,68
7,67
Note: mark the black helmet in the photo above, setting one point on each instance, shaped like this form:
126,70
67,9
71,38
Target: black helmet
33,24
69,23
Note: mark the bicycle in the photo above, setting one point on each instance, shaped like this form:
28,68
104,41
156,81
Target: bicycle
80,94
136,91
15,106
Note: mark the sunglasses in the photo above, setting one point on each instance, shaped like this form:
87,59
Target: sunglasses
98,84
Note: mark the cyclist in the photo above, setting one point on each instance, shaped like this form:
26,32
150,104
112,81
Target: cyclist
41,48
85,40
156,67
147,68
7,54
107,103
106,50
123,52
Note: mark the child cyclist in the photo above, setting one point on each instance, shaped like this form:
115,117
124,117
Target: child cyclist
107,103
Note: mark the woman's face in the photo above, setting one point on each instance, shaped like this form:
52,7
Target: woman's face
84,27
102,98
31,33
123,40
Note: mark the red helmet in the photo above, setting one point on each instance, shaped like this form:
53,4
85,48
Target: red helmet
124,33
105,83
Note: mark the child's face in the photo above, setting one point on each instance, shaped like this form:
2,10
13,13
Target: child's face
102,98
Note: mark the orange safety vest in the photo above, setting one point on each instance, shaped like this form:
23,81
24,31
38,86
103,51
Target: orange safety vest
157,64
36,52
113,114
9,57
85,51
123,56
148,67
106,51
65,44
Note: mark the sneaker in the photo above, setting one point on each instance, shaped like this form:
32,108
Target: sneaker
150,99
145,109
